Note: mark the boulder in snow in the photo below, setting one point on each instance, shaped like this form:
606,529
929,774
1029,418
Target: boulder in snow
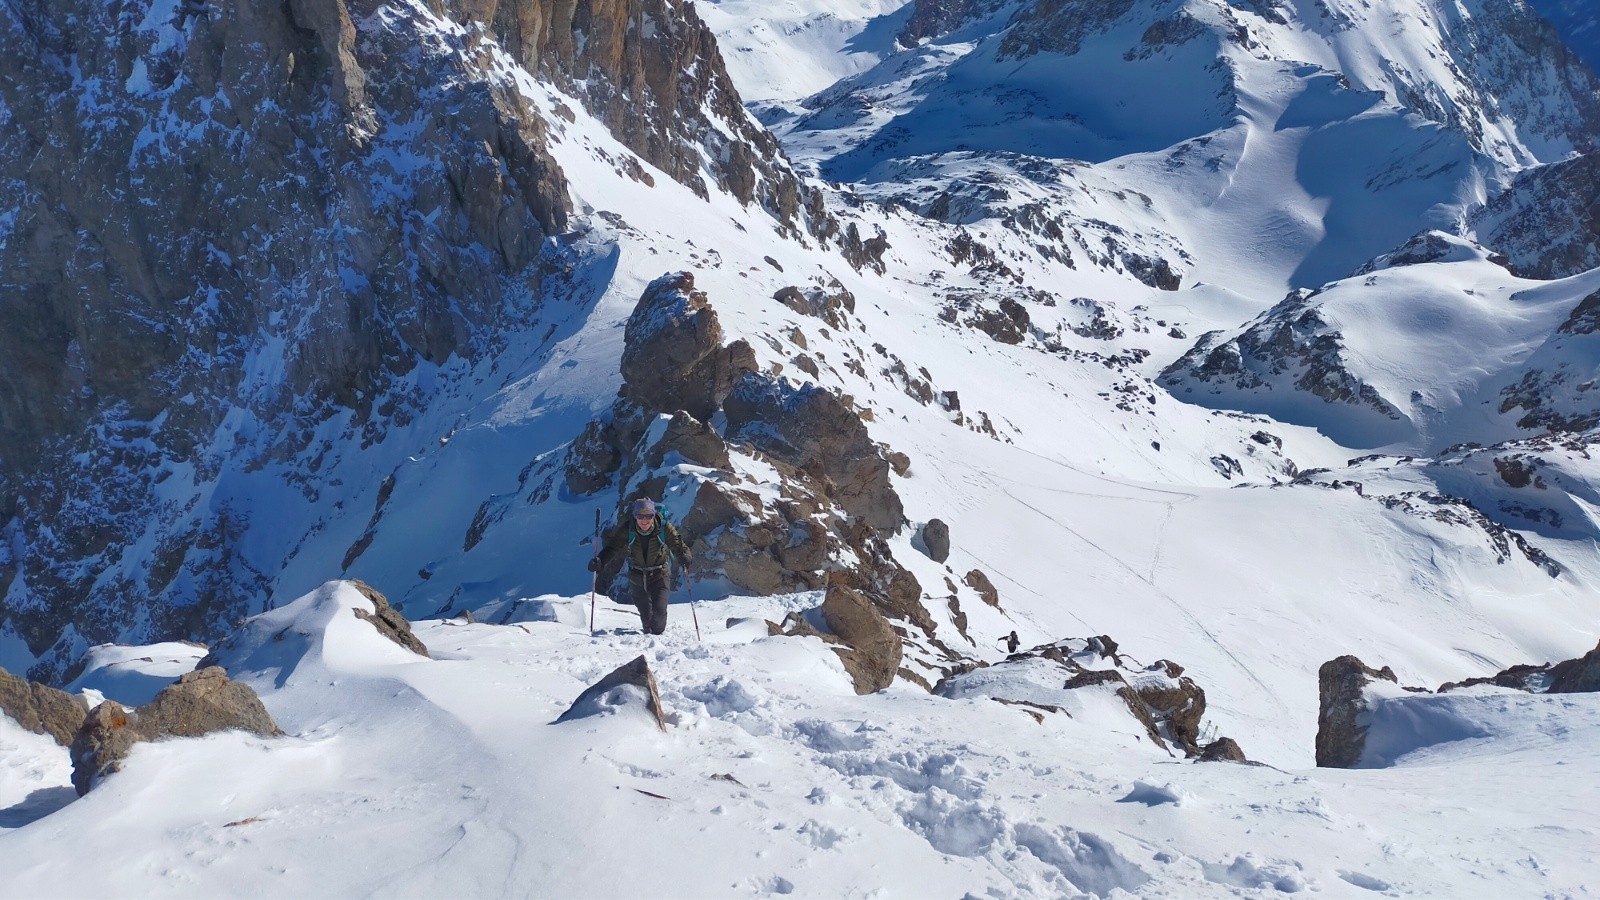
875,649
1222,750
631,683
935,539
388,620
40,708
867,644
1341,733
200,703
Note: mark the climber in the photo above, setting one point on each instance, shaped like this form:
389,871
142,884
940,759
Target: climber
650,544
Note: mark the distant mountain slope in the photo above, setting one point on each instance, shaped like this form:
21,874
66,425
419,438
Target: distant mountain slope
1578,22
1430,346
1279,144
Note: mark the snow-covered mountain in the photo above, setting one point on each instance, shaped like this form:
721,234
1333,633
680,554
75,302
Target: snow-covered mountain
1578,23
1246,334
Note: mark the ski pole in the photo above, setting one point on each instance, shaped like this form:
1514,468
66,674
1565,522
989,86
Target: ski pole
692,612
594,578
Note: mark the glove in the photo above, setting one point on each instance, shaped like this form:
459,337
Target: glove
594,564
686,560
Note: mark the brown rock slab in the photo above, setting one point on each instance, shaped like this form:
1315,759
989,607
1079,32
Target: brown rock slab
1223,750
1576,676
42,709
985,588
388,620
199,703
875,649
637,673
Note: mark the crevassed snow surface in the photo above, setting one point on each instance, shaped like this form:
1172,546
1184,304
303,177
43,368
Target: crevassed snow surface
448,777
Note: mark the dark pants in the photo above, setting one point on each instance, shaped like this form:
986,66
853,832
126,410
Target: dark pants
649,591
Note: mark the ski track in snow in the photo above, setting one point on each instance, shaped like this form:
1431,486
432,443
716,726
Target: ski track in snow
1194,620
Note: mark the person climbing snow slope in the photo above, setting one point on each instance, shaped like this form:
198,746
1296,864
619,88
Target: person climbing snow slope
650,544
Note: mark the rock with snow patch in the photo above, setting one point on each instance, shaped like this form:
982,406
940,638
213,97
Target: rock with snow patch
1175,701
628,684
42,709
1341,687
200,703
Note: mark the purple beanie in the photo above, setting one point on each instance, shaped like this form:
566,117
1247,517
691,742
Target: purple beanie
643,507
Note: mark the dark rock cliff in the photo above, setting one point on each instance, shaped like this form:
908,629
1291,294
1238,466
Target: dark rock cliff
652,72
244,238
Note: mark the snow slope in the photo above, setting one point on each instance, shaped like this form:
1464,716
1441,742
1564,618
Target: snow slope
1241,541
789,49
449,777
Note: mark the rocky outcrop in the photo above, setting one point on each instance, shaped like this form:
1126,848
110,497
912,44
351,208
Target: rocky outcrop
275,231
935,538
253,178
201,702
1291,347
930,19
388,620
1060,26
816,432
626,683
673,357
1547,222
1574,676
834,498
596,50
1341,687
1168,704
872,650
41,709
832,304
